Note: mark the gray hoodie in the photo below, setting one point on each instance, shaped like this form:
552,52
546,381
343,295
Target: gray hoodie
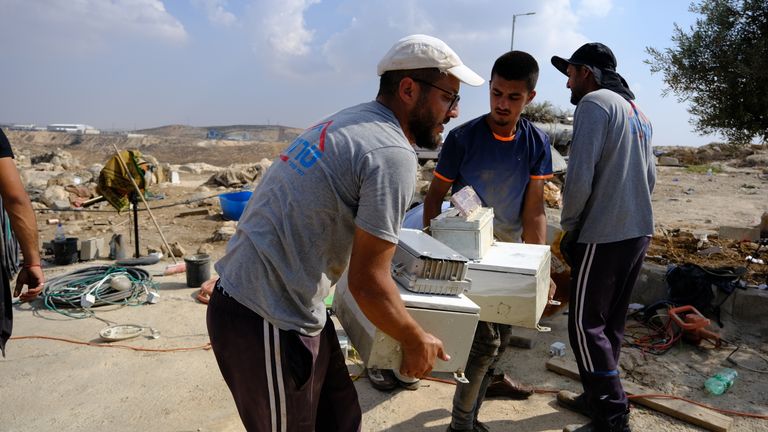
611,171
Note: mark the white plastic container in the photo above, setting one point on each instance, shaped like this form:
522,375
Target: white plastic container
452,319
511,283
470,236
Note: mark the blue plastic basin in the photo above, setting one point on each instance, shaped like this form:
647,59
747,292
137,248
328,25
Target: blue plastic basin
233,204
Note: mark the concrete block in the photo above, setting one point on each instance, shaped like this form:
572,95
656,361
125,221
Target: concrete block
650,286
92,249
739,233
748,305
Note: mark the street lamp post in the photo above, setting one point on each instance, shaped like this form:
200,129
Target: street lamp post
514,18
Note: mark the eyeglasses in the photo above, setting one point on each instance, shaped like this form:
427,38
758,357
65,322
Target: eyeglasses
455,96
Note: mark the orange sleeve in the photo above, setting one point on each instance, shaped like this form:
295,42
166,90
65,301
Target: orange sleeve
441,177
540,177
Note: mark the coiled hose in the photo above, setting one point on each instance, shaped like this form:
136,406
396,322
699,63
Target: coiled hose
63,293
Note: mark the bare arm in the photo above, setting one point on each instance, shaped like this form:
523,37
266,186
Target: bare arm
534,219
372,286
433,201
24,225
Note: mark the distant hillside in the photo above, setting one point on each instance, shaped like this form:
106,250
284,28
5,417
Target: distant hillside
173,143
270,133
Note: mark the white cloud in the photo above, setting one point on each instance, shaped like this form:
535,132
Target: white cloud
594,8
286,38
280,26
216,11
86,25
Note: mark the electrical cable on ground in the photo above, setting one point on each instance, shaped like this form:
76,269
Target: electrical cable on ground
70,293
205,347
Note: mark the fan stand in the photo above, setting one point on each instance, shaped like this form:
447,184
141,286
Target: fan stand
135,202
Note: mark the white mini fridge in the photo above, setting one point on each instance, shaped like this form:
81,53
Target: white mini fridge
511,283
450,318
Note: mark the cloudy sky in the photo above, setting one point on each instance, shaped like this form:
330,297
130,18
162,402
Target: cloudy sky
131,64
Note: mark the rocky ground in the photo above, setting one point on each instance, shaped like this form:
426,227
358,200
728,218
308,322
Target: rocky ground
58,385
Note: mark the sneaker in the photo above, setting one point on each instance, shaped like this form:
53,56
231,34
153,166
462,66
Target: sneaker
480,427
502,386
574,402
381,379
408,383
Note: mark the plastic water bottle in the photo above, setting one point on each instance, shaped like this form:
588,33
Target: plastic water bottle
721,381
60,236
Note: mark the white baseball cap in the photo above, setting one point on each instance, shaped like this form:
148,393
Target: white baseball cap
421,52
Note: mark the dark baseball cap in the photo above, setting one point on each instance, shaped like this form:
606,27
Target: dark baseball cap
601,61
592,54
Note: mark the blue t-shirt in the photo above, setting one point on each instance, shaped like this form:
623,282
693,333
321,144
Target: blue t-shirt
498,169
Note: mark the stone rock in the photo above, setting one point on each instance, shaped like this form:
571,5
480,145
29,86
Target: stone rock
176,250
237,176
205,248
53,194
60,204
265,164
224,233
668,161
45,166
739,233
95,170
422,186
757,160
198,168
34,179
552,196
58,158
74,178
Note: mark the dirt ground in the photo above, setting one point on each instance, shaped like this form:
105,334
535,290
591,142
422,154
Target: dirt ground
60,385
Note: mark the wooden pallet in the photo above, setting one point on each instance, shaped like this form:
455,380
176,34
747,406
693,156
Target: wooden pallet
679,409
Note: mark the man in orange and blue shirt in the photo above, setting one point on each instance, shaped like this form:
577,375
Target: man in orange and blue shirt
506,160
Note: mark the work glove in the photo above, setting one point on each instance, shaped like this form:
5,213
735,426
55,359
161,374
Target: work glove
567,243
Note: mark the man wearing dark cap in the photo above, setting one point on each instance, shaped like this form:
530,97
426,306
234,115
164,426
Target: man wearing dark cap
608,222
335,198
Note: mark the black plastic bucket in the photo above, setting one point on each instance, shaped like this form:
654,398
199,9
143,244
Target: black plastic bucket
65,251
198,269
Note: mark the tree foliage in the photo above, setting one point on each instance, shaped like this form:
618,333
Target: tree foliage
720,67
544,112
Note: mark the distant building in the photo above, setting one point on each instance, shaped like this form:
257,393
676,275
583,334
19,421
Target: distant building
72,128
238,136
213,134
22,127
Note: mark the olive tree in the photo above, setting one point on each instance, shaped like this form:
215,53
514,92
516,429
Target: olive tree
720,67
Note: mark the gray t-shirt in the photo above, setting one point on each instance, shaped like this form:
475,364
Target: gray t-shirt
293,241
611,171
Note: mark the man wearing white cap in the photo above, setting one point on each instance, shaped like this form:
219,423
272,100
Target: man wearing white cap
336,195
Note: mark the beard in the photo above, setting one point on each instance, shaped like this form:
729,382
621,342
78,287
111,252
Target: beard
576,97
498,120
422,124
